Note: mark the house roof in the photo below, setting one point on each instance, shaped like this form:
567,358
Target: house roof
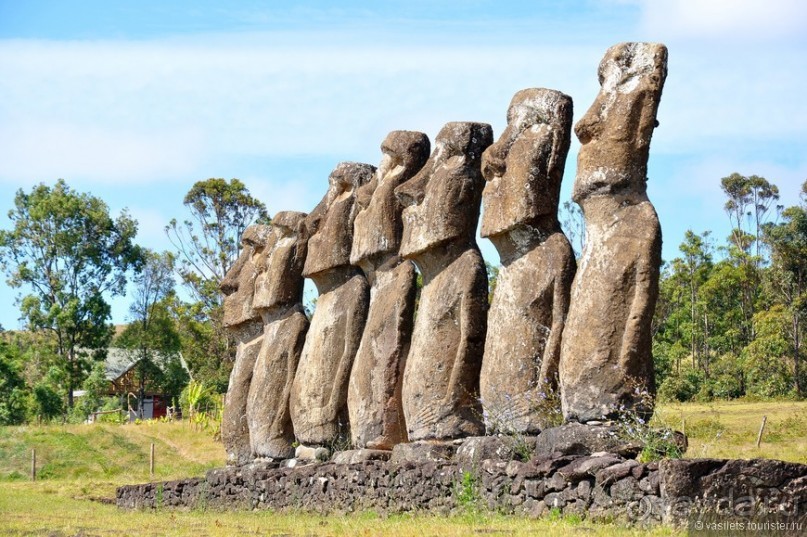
119,361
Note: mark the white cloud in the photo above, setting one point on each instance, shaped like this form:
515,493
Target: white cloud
163,108
43,150
735,20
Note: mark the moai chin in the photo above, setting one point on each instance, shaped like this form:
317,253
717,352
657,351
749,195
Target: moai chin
278,299
319,393
441,379
606,364
374,393
524,170
243,321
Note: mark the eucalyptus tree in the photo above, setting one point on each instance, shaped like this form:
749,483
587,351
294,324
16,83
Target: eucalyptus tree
207,245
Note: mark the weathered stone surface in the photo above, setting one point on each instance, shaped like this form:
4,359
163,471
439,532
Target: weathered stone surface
278,298
355,456
319,392
441,381
425,451
579,439
476,449
765,490
750,488
271,431
606,348
524,170
244,322
311,453
586,467
330,224
374,393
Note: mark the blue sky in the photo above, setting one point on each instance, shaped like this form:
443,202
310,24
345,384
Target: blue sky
134,101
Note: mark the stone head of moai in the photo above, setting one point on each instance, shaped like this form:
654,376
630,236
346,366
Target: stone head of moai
331,222
442,201
378,226
524,168
279,282
238,284
615,132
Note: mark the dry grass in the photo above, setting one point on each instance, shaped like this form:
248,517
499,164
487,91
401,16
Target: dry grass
47,509
80,464
729,429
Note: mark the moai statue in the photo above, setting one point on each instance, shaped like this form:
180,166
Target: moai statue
245,324
319,393
524,170
278,298
441,380
374,394
606,365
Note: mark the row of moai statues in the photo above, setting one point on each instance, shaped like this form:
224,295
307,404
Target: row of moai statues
380,366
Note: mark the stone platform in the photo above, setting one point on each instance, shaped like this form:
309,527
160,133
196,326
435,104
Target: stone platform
598,486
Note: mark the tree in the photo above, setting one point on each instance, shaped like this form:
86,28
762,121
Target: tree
750,200
12,387
152,331
69,252
208,244
788,243
695,266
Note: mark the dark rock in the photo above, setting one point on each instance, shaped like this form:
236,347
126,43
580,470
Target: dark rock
476,449
586,467
425,451
355,456
580,439
607,476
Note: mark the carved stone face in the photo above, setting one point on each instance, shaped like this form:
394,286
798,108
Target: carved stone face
378,227
330,245
239,283
442,200
280,264
616,130
524,168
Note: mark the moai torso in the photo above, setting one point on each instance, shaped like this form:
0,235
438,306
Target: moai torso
319,392
374,394
244,322
278,298
606,361
524,169
441,379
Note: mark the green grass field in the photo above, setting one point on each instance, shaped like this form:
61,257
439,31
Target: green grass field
79,467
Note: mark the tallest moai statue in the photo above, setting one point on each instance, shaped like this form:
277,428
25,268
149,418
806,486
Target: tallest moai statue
606,348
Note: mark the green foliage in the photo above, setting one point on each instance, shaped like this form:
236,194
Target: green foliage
209,242
657,439
68,251
47,402
94,386
12,387
153,334
733,327
681,386
466,491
